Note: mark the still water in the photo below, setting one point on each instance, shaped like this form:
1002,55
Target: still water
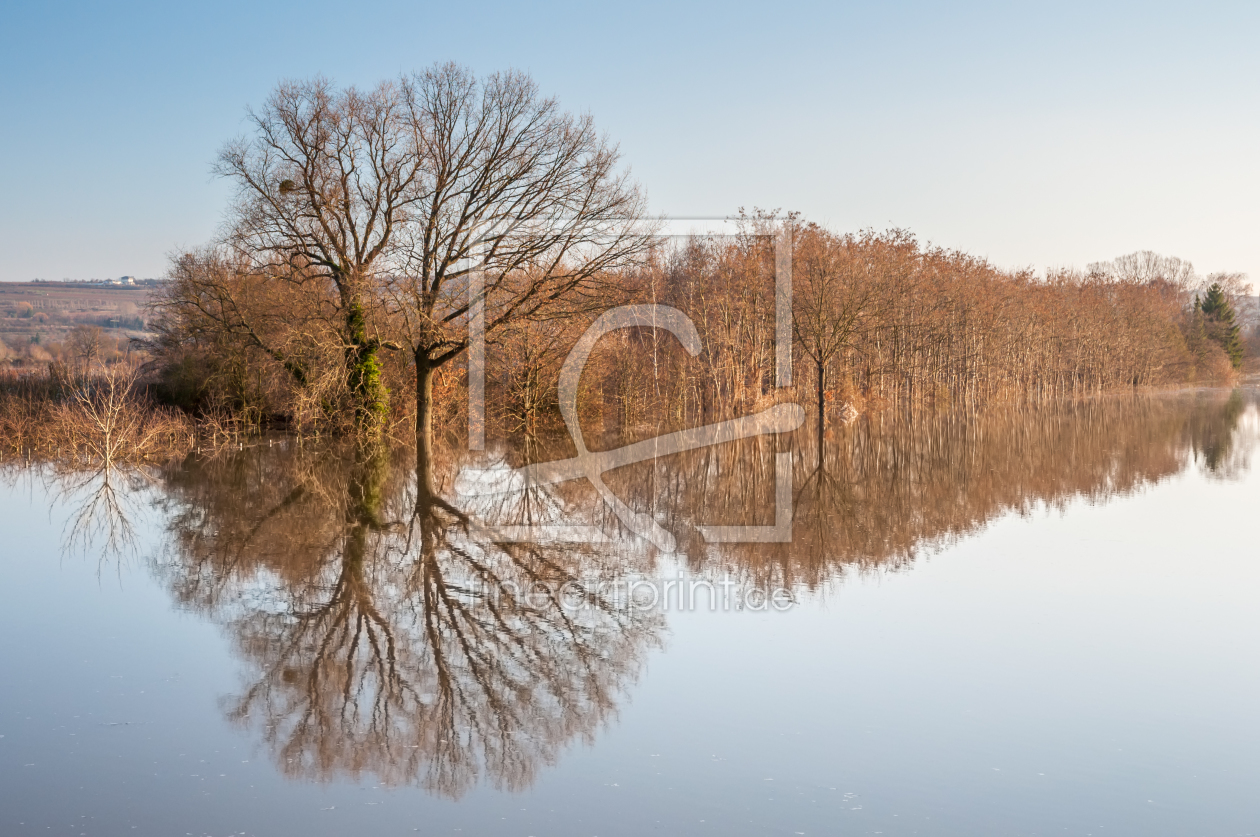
1038,623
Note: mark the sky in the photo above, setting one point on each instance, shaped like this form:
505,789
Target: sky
1033,134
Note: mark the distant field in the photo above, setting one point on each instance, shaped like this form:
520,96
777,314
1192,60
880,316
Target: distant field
37,317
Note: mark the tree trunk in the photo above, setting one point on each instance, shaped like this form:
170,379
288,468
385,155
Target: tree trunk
822,407
424,422
371,398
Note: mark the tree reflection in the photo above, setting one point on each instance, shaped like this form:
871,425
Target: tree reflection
891,486
388,631
382,635
106,504
106,500
1214,439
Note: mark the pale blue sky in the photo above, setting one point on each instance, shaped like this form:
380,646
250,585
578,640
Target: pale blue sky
1033,134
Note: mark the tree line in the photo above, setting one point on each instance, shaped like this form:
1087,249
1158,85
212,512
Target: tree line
376,235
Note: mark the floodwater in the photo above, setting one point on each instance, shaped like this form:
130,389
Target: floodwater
1036,623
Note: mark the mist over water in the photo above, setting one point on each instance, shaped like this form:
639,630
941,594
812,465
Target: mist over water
1037,621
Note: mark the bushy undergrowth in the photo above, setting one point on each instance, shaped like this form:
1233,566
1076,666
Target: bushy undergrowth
93,416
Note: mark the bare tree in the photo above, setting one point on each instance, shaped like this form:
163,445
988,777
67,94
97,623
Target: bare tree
524,214
440,194
324,183
1145,267
85,343
838,287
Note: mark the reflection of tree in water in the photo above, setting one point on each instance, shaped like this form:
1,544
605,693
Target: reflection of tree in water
384,633
106,504
1212,435
384,638
105,500
892,485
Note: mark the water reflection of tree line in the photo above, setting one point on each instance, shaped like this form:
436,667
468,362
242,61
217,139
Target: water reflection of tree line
384,634
890,486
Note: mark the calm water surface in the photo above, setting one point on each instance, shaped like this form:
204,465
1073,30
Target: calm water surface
1043,623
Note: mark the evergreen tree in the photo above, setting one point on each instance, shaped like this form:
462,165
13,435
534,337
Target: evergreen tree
1220,323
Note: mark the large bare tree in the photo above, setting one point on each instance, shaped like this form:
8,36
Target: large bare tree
325,182
525,214
459,205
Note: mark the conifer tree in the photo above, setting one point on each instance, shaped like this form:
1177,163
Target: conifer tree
1221,326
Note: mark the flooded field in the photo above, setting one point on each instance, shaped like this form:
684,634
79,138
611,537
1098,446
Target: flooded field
1042,622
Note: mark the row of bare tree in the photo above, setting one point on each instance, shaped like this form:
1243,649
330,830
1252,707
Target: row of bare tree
378,236
879,320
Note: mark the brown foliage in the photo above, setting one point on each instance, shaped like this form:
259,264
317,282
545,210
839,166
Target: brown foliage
879,321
